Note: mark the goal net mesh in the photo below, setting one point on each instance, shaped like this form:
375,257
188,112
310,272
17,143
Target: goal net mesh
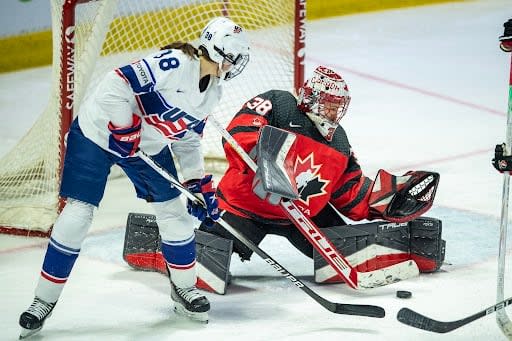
109,34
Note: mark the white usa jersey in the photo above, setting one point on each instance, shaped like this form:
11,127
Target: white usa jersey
162,89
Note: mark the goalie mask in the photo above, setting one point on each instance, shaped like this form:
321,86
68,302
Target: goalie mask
227,46
324,98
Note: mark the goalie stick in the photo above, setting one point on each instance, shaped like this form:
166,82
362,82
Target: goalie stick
337,308
355,279
417,320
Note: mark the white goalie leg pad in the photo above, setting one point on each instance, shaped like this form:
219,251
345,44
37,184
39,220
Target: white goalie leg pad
69,231
379,251
176,226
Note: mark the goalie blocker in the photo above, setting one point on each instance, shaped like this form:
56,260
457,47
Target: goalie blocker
142,251
376,245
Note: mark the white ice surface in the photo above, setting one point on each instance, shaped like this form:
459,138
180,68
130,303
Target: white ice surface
429,91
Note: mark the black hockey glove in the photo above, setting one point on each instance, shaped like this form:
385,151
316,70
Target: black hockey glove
506,38
402,198
503,163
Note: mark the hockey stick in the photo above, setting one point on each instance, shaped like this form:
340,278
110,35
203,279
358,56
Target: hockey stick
501,317
355,279
337,308
417,320
414,319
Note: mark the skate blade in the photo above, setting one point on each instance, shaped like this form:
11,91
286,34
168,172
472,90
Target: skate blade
25,333
198,317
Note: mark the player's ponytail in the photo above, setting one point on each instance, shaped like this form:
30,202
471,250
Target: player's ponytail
203,52
187,48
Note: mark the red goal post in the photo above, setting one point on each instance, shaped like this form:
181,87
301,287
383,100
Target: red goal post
93,36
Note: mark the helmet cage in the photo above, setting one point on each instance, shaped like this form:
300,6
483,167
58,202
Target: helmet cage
230,65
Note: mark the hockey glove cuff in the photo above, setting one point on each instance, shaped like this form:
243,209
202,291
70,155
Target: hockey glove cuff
125,141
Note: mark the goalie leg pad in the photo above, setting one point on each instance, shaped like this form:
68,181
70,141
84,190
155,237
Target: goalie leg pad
142,243
367,247
213,261
252,231
427,247
377,245
142,251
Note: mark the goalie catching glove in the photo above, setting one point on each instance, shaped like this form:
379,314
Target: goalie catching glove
402,198
205,187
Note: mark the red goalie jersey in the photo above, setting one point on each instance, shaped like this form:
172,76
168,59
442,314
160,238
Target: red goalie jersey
325,171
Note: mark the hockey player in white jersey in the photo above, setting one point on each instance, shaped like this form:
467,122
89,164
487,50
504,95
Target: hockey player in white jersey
158,104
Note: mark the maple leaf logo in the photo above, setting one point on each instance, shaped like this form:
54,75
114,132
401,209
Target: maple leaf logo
308,178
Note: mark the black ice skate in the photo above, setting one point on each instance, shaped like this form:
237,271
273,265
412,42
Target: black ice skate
190,302
32,319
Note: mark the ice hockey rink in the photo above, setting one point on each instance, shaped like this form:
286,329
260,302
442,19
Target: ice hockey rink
429,91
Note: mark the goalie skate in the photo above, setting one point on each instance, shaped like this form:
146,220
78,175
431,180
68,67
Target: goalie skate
32,319
190,302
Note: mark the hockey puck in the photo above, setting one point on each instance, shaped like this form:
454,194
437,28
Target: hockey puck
403,294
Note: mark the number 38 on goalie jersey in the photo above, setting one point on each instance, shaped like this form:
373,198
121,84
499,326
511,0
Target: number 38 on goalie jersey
324,171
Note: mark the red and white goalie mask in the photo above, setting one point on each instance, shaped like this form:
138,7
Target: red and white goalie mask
324,98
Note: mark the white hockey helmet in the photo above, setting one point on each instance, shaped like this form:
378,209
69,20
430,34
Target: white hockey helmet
227,45
324,98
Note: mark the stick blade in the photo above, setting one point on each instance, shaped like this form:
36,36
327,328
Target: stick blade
359,310
417,320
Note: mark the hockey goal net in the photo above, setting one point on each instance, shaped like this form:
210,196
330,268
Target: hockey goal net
91,37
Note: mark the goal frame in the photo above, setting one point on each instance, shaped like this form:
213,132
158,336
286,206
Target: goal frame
66,83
